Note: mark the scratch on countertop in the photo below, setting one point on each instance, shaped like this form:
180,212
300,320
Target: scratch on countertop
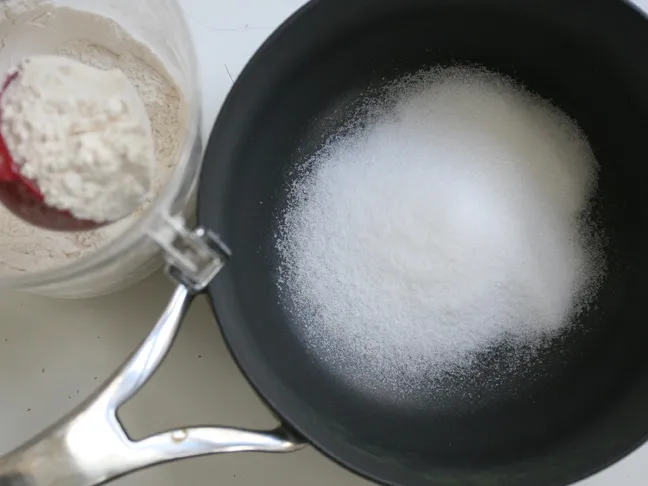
229,74
229,29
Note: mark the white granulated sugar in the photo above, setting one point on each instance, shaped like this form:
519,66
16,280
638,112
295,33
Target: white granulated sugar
38,27
453,221
81,134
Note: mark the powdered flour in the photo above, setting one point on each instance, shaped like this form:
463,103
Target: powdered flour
81,134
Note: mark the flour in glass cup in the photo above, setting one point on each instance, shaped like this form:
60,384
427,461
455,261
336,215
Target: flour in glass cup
42,27
81,134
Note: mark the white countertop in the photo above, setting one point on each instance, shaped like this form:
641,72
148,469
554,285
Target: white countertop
53,353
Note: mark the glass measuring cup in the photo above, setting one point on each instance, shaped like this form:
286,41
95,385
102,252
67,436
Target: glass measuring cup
135,253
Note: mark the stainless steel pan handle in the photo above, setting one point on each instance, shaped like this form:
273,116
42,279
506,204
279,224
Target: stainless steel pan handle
91,447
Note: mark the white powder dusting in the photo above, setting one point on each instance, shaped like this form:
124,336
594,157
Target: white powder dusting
37,27
81,134
451,219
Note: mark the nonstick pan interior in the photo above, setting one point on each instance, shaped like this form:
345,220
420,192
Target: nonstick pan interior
583,402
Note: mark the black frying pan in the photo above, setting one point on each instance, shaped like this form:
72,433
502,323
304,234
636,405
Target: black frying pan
583,403
579,407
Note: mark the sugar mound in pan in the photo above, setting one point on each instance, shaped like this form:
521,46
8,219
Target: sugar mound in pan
453,216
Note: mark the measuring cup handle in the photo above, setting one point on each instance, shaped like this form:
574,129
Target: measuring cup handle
90,446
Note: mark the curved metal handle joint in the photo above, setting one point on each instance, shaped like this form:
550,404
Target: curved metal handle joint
90,447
